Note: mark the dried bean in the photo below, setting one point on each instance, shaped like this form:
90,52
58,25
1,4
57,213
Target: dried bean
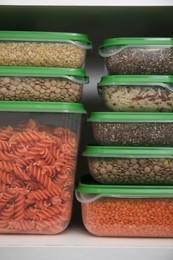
129,217
35,89
134,134
41,54
156,61
114,172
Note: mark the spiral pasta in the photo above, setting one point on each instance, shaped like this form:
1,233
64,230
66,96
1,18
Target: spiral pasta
37,167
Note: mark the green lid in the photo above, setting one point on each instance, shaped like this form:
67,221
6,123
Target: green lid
45,36
126,79
32,106
130,117
136,41
79,74
87,185
123,152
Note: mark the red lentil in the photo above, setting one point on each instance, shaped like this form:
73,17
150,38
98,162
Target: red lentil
129,217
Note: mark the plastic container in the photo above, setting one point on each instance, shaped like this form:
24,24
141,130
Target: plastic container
137,56
126,211
43,49
130,165
133,128
144,93
42,84
38,155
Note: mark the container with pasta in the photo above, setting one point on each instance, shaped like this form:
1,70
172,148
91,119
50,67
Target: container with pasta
146,93
132,128
130,165
38,156
42,84
138,56
126,211
43,49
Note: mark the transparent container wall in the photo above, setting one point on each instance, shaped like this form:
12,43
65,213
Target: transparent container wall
129,217
40,89
133,133
38,153
145,171
137,98
41,54
139,60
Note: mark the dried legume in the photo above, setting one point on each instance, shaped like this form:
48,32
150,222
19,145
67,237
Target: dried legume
155,171
129,217
141,61
40,89
41,54
134,134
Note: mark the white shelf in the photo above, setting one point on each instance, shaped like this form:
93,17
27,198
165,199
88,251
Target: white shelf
77,243
88,2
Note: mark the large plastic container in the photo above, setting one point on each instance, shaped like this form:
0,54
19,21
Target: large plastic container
43,49
152,56
42,84
146,93
38,156
132,128
126,211
130,165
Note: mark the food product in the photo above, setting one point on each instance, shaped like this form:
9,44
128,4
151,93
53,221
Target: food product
126,211
38,153
67,50
130,165
132,129
137,93
42,84
137,56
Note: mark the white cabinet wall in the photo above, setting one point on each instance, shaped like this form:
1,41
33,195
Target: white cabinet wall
99,20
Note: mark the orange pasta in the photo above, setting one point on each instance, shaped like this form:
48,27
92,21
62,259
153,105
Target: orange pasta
37,166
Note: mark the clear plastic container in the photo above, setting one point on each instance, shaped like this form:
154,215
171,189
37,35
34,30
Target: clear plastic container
144,93
150,56
130,165
43,49
38,156
133,128
126,211
42,84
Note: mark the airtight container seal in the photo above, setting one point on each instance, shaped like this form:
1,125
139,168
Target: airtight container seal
152,56
142,93
42,84
38,155
126,211
49,49
132,128
130,165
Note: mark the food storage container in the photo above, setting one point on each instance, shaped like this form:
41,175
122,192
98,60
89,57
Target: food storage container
130,165
42,84
43,49
132,128
38,155
138,55
127,93
126,211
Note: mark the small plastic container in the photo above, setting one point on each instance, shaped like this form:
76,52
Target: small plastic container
38,156
42,84
132,128
146,93
126,211
135,56
43,49
130,165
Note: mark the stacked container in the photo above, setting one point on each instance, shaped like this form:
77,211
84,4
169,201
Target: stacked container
129,192
41,83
